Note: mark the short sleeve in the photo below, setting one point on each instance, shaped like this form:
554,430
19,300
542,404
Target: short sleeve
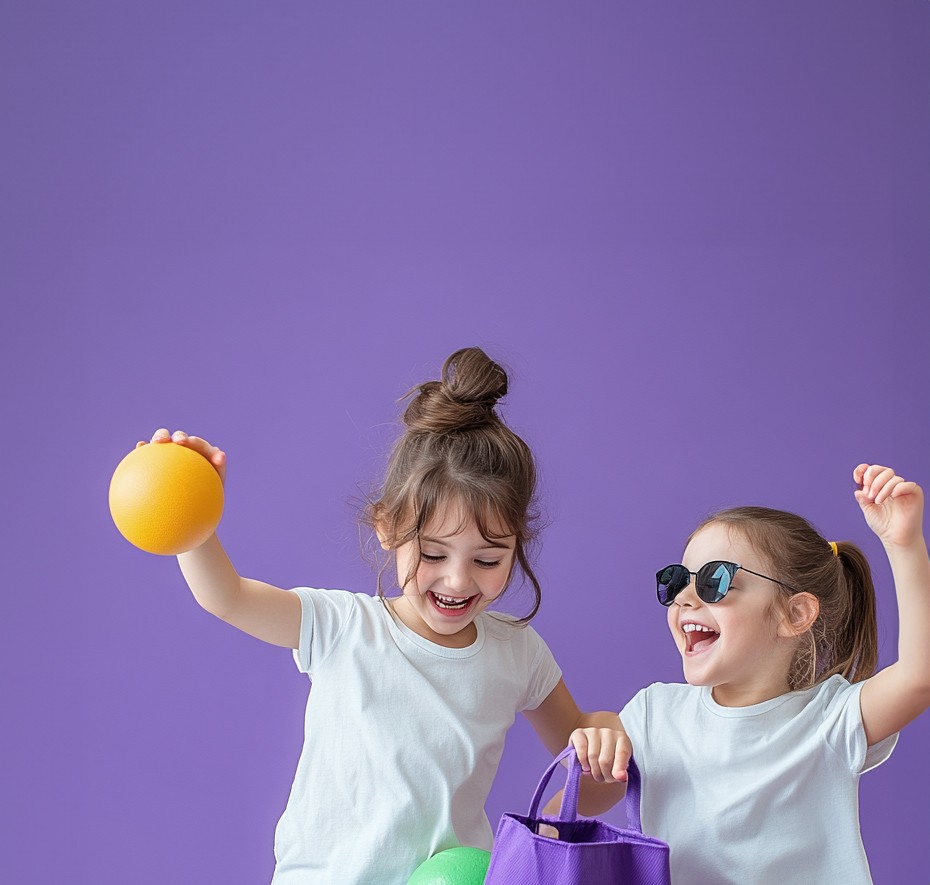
323,616
633,714
844,731
633,719
543,673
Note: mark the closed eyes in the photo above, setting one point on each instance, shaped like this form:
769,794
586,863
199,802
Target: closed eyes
481,563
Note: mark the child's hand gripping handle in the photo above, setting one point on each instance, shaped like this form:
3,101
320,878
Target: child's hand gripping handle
569,808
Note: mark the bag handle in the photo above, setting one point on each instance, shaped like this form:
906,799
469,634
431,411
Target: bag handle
569,808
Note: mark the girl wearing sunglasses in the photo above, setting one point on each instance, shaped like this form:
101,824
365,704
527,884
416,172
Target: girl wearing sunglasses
750,771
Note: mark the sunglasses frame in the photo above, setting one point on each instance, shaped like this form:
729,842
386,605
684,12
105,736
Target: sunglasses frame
704,592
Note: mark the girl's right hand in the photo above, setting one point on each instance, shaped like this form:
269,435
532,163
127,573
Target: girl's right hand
214,455
892,506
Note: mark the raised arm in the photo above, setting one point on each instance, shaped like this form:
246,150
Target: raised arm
261,610
893,509
599,740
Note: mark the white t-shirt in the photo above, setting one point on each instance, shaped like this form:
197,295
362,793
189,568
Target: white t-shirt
402,739
766,794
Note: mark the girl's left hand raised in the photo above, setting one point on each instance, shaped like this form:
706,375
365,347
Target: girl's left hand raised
892,506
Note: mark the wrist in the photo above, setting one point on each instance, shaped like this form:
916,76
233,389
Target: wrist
915,546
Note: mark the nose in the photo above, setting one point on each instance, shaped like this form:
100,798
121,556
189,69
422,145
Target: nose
458,578
688,596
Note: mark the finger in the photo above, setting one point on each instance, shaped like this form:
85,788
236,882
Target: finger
606,761
876,478
215,455
161,435
888,488
218,460
866,479
595,752
622,754
179,436
859,472
141,443
198,444
905,487
874,470
579,741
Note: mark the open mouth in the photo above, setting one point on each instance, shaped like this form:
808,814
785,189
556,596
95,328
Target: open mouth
450,606
698,638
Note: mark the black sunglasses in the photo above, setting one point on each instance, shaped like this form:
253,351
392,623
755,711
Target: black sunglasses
712,580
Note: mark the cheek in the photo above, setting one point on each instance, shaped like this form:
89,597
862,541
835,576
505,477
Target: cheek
502,582
493,587
404,566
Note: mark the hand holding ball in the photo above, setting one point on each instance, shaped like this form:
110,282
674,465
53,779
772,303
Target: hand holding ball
166,498
454,866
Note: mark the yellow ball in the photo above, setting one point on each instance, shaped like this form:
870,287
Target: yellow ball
166,498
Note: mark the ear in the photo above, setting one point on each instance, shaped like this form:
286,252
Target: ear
382,536
377,519
801,610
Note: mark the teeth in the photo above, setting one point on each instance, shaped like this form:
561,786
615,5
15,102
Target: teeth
699,628
450,601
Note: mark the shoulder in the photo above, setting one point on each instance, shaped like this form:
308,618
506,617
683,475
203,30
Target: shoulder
336,607
658,698
337,599
329,617
660,693
500,628
833,695
834,687
834,704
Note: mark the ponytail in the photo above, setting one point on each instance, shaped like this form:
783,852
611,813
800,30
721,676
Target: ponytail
855,642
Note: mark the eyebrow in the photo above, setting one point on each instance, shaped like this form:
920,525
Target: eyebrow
491,545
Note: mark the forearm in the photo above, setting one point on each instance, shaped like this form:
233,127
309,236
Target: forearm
211,577
911,569
596,797
600,719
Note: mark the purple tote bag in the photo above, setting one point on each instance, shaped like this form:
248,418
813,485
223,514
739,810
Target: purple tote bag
587,852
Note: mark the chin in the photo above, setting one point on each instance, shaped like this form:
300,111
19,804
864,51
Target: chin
697,678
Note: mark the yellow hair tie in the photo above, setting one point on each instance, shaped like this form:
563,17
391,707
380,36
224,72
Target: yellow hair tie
834,548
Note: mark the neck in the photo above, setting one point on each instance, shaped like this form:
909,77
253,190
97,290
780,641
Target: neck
465,637
748,695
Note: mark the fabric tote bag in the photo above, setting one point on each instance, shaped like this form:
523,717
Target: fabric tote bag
587,852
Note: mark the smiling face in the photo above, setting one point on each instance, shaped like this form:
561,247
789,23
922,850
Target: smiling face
459,574
739,646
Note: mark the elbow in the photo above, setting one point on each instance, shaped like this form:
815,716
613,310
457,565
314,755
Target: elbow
222,609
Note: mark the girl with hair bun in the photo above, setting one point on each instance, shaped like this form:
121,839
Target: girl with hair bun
751,770
413,693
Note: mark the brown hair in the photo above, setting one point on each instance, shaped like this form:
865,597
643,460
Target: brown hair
457,449
844,638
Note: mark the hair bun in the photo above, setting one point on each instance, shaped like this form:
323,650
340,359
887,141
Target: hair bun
471,385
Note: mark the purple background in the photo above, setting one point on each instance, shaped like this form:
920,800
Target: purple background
698,234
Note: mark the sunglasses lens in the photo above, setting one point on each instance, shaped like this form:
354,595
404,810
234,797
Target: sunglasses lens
714,581
670,581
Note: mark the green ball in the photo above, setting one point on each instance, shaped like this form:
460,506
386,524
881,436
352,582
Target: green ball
454,866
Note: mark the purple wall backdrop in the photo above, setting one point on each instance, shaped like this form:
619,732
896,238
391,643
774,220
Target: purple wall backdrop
698,233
